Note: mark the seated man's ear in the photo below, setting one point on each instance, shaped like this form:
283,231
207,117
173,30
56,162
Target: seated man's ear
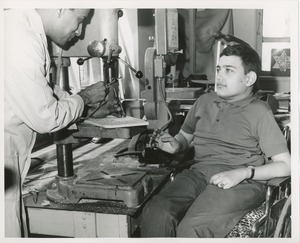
251,78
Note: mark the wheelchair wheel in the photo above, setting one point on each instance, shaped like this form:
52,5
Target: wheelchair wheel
283,227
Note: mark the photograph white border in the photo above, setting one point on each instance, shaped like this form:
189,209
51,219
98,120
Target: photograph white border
254,4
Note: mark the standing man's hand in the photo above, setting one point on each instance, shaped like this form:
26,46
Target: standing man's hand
93,93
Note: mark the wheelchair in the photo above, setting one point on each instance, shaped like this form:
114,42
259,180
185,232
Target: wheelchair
272,218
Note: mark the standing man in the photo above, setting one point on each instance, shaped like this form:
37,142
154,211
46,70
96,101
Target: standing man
31,103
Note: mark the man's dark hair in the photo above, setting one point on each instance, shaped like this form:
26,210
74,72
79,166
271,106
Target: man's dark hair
250,58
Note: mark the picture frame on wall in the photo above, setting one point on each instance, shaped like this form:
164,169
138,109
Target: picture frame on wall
281,62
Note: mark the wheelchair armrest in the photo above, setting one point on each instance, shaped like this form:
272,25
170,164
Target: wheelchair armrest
277,188
279,181
277,191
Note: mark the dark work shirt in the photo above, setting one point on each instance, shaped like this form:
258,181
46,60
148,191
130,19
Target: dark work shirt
238,133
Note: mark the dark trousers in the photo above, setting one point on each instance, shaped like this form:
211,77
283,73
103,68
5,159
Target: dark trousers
191,207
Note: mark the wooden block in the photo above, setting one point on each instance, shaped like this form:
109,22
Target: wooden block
116,122
183,93
90,131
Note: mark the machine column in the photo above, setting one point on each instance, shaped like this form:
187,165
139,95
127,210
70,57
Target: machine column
61,138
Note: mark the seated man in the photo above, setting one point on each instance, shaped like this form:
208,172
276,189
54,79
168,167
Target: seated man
232,133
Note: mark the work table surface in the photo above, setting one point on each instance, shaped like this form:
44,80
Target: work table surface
89,158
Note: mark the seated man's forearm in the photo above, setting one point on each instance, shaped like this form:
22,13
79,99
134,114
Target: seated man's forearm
279,167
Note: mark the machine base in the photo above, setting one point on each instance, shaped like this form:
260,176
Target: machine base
126,185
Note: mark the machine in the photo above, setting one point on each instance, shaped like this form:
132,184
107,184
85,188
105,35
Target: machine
160,61
122,176
105,185
111,185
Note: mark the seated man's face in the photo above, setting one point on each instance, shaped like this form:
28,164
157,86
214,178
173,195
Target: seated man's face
231,80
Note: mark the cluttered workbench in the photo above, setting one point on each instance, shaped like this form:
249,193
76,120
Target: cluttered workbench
93,217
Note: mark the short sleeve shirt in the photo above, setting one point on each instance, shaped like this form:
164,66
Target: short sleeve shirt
237,133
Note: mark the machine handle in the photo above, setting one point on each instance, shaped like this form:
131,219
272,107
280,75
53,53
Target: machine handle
80,61
138,74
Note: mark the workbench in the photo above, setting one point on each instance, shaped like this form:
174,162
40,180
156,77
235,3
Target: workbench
88,217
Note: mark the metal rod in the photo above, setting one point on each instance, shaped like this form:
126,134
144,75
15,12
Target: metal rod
192,43
127,65
138,74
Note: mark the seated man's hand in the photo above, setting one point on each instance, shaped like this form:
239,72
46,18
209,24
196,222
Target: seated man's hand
228,179
93,93
168,143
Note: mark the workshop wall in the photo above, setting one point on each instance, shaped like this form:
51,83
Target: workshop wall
245,28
